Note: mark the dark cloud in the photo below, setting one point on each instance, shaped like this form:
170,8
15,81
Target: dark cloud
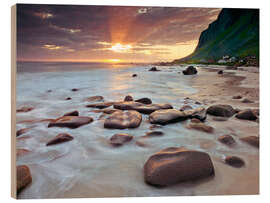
61,31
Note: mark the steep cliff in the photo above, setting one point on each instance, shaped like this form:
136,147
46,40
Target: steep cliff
234,33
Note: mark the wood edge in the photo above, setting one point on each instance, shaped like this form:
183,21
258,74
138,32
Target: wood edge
13,100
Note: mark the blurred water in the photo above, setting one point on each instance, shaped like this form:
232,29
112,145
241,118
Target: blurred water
88,166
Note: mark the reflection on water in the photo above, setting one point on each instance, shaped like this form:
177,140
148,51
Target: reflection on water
88,166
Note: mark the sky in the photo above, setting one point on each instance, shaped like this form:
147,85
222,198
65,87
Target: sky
110,34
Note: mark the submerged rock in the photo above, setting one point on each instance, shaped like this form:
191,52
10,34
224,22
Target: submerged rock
74,90
128,98
24,177
134,75
60,138
175,165
24,109
234,161
201,127
70,121
68,98
167,116
94,99
247,114
227,140
247,101
144,100
72,113
154,134
221,110
102,105
120,139
190,70
122,120
251,140
237,97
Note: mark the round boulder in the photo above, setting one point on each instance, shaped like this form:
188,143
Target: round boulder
227,140
70,121
175,165
166,116
120,139
247,114
221,110
234,161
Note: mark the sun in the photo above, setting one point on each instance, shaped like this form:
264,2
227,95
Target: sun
112,60
120,48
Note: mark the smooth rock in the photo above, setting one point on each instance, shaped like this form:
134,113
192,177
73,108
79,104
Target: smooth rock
167,116
128,98
70,121
234,161
72,113
227,140
24,109
94,99
120,139
102,105
221,110
251,140
201,127
122,120
175,165
153,134
199,113
60,138
190,70
144,100
24,177
247,114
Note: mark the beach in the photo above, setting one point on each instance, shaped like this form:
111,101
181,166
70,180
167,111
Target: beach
90,166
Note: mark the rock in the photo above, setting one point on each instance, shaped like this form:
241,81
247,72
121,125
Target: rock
154,126
190,70
220,72
237,97
60,138
247,114
102,105
94,99
201,126
197,102
128,98
153,69
142,108
70,121
22,131
185,107
227,140
167,116
21,152
49,91
134,75
234,161
24,109
247,101
221,110
68,98
198,113
144,101
24,177
237,110
251,140
220,118
74,90
153,134
120,139
141,144
174,165
72,113
122,120
195,120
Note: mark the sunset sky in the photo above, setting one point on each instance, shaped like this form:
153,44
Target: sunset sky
108,34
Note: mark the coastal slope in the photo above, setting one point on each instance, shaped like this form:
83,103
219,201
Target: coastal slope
234,33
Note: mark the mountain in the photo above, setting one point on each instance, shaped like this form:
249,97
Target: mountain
234,33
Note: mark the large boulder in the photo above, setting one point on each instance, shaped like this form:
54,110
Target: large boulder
122,120
251,140
221,110
247,114
60,138
166,116
175,165
190,70
120,139
24,177
142,108
70,121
